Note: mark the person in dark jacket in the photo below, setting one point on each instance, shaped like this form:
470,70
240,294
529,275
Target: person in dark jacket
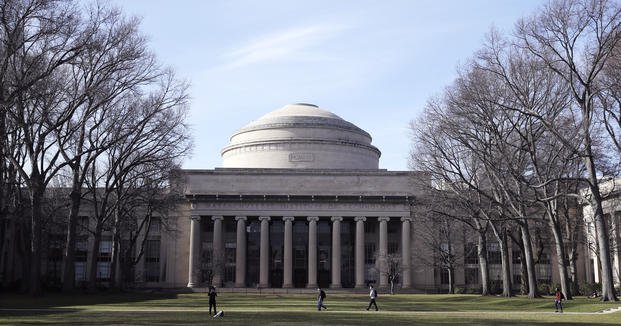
212,299
320,297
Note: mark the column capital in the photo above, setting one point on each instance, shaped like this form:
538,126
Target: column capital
243,218
360,218
217,217
383,218
288,218
195,218
406,218
312,218
265,218
337,219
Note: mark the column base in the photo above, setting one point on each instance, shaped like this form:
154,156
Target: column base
361,286
263,286
240,285
287,286
312,286
192,284
336,286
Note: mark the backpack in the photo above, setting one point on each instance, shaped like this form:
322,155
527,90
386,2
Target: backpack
375,293
322,294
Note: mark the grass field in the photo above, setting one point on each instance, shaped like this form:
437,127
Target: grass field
297,309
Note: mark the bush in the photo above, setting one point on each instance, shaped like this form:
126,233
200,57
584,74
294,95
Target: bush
588,288
459,290
545,289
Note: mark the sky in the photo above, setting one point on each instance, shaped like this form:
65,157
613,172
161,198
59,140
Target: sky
373,63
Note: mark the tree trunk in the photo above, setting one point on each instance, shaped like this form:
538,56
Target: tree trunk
36,196
451,280
482,255
505,266
608,290
114,259
92,268
560,257
530,262
523,272
69,257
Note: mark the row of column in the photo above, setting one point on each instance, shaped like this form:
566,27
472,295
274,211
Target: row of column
359,254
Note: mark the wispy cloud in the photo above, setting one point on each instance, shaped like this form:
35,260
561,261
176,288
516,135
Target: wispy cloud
291,44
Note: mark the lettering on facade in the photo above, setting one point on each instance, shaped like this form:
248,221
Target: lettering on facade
303,206
301,157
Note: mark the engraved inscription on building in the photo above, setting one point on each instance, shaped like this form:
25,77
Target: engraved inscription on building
301,157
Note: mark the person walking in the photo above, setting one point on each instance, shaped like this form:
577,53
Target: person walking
558,300
373,295
212,299
320,298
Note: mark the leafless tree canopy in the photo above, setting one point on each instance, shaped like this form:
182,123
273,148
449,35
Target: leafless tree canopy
86,106
533,118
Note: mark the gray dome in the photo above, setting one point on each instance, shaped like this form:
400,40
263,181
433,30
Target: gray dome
301,136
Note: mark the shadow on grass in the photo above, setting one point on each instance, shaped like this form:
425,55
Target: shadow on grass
60,300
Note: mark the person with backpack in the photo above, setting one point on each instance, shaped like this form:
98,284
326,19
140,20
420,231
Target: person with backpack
558,300
320,298
373,295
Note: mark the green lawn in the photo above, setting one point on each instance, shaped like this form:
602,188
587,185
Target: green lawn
344,309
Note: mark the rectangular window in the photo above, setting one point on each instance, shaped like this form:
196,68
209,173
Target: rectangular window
103,271
370,226
152,251
493,253
300,257
154,228
393,248
152,261
80,271
517,258
444,276
369,249
471,275
105,250
471,255
80,251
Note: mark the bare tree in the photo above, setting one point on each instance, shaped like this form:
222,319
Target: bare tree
576,40
114,66
40,39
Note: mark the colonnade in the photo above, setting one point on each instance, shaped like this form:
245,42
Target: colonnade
359,251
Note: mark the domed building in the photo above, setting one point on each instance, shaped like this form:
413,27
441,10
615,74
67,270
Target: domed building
300,202
301,136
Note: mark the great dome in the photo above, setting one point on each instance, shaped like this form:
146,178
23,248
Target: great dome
301,136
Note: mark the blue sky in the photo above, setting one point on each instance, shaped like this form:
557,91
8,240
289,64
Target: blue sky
373,63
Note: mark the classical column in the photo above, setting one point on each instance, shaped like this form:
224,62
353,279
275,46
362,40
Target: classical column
405,252
195,252
383,250
287,276
264,253
312,251
359,254
240,253
336,252
218,258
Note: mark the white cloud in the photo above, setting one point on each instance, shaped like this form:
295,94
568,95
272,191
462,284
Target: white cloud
292,44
